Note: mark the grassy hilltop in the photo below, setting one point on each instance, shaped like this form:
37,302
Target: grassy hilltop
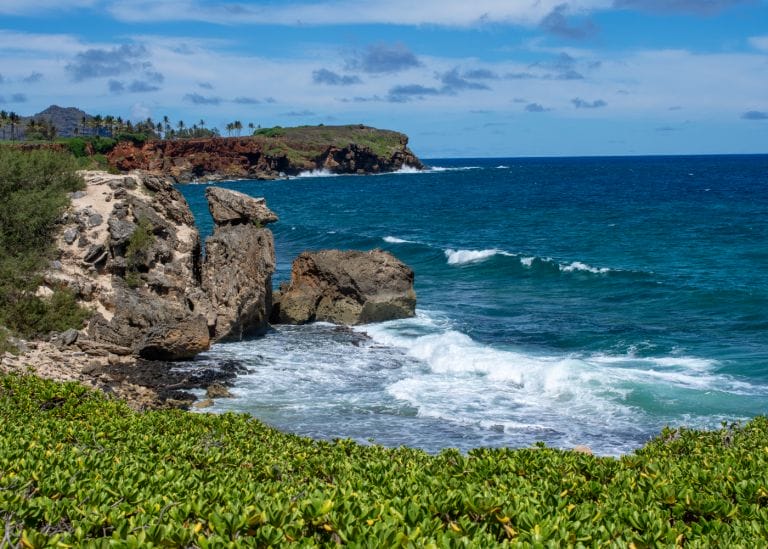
307,142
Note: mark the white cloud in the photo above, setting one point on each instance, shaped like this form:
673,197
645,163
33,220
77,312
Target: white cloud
32,42
654,80
449,13
759,42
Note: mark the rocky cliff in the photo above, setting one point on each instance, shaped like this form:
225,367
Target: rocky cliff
130,251
270,154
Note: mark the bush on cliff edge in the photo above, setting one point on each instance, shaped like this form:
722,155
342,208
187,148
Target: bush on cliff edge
33,195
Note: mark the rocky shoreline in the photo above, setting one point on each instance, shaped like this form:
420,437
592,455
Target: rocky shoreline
142,384
129,251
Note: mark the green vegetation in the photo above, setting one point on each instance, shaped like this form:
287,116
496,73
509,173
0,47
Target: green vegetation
137,252
81,147
79,469
33,194
276,131
305,143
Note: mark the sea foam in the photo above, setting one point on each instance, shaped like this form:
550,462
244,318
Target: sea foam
316,173
395,240
452,168
579,266
461,257
517,391
409,170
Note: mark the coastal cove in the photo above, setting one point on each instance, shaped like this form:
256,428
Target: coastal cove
570,301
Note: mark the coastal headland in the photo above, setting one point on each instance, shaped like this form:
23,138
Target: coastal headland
269,154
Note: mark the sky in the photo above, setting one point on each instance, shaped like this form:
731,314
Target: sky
467,78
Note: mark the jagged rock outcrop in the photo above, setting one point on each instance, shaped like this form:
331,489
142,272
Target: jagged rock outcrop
285,151
239,262
233,208
130,251
346,287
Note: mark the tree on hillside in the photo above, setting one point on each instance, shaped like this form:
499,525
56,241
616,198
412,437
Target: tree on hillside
3,121
40,129
14,121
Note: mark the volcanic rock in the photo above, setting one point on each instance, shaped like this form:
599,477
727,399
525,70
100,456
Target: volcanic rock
346,287
354,149
239,262
179,340
232,208
217,390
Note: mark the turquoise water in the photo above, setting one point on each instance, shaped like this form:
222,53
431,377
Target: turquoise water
571,301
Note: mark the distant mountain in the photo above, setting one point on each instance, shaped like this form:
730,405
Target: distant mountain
67,120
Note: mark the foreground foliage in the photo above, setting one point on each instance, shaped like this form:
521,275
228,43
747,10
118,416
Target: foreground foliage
33,194
78,469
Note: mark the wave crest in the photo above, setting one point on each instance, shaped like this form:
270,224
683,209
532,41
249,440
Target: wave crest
461,257
395,240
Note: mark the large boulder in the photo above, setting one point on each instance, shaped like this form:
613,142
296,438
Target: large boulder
239,262
175,341
232,208
346,287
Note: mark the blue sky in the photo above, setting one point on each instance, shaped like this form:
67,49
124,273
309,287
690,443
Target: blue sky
461,78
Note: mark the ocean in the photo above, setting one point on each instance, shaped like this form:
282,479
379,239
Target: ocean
570,301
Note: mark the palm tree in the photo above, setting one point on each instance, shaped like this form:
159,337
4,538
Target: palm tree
32,129
14,118
109,124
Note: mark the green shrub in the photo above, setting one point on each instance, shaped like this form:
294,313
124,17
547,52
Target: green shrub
5,342
95,162
102,145
79,469
33,194
140,244
31,316
137,139
276,131
137,252
77,146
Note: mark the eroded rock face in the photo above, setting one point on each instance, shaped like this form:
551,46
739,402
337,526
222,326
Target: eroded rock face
346,287
239,262
136,287
129,251
233,157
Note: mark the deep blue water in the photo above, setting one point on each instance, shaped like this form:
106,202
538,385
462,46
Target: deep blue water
571,300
